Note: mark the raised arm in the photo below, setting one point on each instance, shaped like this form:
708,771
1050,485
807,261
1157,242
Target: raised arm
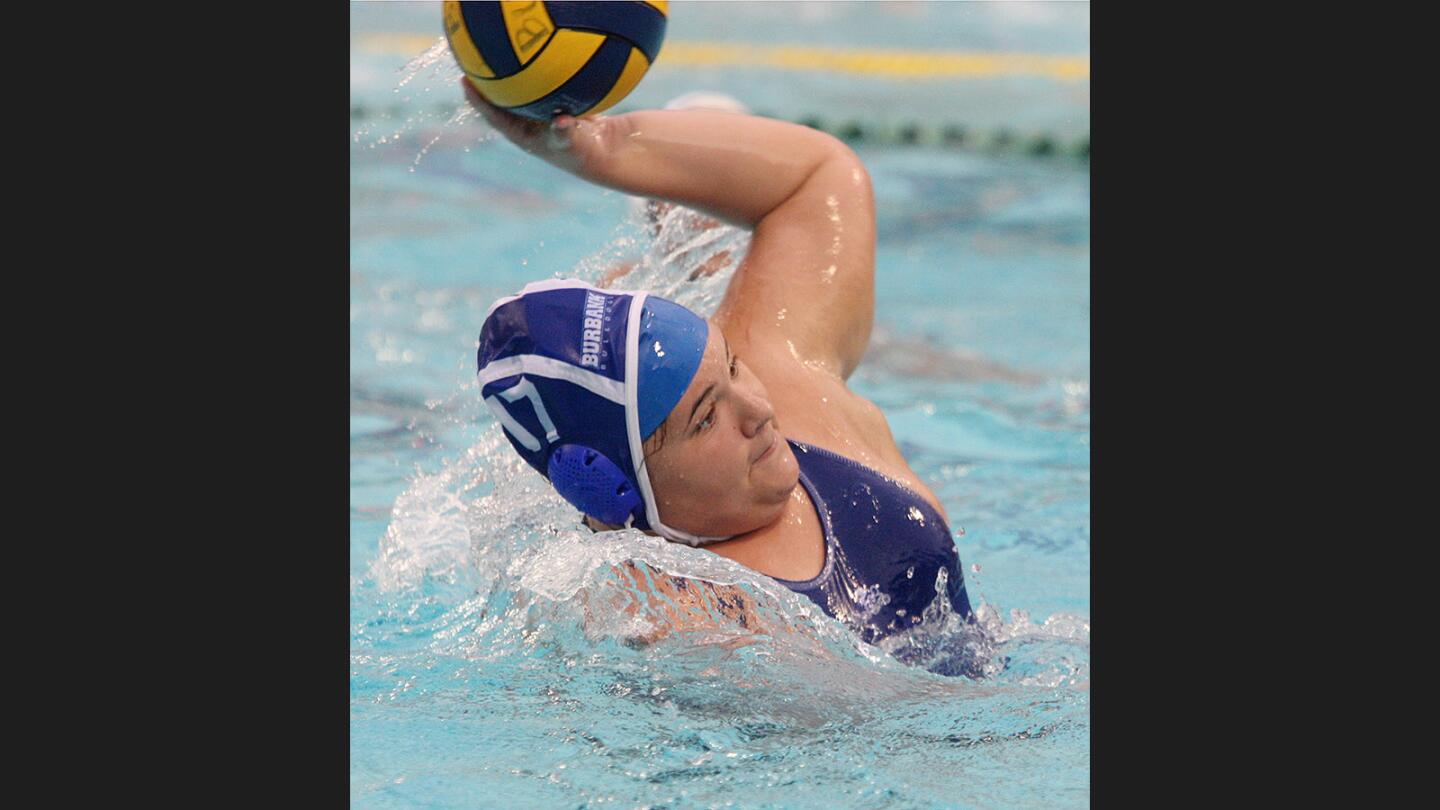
807,284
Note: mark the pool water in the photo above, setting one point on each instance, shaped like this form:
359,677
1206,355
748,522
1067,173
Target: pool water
493,662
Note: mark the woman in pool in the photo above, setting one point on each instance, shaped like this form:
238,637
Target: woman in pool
737,434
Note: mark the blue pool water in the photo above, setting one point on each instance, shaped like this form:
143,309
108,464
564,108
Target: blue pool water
490,661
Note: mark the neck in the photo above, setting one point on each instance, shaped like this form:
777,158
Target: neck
781,516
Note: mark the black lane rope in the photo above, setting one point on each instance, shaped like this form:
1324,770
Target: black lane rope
862,133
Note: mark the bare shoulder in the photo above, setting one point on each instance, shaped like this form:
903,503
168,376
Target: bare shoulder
814,405
812,401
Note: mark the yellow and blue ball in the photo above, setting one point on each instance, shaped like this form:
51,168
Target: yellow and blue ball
536,58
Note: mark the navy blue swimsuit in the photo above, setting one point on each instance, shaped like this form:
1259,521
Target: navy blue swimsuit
882,539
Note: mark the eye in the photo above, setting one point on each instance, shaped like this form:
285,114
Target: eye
706,422
734,366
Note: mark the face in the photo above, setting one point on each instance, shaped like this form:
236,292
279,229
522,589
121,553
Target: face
719,465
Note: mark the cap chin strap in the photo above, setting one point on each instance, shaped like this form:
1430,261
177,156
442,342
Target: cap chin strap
632,430
676,535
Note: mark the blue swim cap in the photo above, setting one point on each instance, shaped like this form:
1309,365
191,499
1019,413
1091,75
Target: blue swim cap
579,378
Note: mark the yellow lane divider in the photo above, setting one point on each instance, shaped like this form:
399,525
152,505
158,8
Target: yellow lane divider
891,64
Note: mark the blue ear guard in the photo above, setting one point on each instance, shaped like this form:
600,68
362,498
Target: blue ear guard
593,484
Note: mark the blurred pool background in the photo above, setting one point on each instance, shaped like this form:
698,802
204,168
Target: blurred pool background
484,668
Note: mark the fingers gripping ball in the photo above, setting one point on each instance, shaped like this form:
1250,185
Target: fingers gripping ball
539,58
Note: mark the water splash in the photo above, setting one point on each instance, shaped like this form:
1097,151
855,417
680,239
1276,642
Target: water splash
454,124
488,523
671,251
437,56
535,582
450,117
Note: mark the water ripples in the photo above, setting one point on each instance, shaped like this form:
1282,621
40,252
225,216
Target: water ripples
496,642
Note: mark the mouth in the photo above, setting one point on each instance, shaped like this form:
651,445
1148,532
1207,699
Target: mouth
770,450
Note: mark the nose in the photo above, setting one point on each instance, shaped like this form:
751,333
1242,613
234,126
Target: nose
755,412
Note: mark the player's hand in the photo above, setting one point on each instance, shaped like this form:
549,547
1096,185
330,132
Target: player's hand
565,141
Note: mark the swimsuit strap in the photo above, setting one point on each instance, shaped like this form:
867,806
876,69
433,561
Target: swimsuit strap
885,546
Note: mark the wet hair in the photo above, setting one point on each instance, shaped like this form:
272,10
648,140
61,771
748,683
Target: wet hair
658,437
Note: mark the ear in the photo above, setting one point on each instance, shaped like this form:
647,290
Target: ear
593,483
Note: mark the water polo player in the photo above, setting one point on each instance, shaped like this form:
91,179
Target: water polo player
737,434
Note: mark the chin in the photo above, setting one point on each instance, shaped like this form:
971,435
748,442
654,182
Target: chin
783,472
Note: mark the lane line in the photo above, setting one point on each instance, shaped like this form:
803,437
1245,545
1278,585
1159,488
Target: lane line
884,63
